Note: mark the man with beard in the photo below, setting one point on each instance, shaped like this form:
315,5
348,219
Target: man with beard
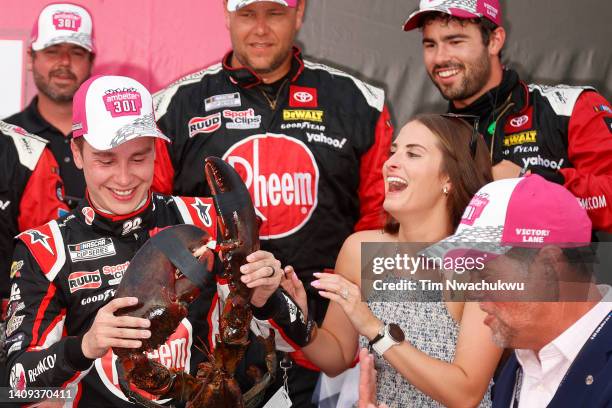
308,140
562,133
60,57
559,324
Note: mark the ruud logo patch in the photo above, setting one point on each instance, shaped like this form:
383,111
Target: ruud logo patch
84,280
97,248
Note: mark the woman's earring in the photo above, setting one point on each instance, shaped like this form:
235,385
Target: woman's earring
445,190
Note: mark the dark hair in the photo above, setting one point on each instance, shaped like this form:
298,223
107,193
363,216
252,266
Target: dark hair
485,25
467,175
78,141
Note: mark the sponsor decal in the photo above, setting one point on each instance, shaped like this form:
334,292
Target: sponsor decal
293,310
230,100
116,271
174,354
84,280
100,297
15,293
15,268
245,119
521,138
303,125
131,225
14,342
321,138
283,183
602,108
302,114
302,97
593,203
37,237
89,215
203,211
532,235
526,149
519,121
15,307
608,122
207,124
94,249
4,204
17,379
43,365
122,102
65,20
474,208
542,162
26,145
13,324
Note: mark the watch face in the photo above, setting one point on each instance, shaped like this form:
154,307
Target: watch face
396,332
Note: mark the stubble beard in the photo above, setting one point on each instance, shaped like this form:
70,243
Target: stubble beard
61,96
277,61
471,84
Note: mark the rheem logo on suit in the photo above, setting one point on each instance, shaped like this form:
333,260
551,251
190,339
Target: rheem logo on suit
282,176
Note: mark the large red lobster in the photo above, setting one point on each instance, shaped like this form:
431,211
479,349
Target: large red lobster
164,275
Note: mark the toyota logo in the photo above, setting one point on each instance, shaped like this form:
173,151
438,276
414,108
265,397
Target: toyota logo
303,96
520,121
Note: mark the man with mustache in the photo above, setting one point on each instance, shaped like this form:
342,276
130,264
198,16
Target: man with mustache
61,56
562,133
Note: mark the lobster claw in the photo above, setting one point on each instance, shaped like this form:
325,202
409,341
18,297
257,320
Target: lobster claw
236,214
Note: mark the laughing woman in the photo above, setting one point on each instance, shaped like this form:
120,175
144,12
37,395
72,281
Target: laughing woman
447,357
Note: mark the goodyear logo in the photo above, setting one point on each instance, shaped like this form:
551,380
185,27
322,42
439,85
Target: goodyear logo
520,138
301,114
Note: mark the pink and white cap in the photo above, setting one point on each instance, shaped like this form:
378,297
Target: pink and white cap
110,110
522,212
234,5
63,23
489,9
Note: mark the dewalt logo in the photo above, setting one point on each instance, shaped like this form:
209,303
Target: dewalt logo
520,138
301,114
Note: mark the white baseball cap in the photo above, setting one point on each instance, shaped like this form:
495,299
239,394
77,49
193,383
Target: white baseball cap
63,23
110,110
233,5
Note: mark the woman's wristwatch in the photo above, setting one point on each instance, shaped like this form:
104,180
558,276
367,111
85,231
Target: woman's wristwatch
389,335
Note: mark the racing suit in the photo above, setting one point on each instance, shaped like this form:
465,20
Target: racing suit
562,133
30,190
71,268
31,120
310,148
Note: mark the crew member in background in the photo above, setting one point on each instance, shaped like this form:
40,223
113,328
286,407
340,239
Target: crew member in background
60,56
563,133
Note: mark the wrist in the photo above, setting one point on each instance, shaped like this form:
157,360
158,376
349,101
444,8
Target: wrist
373,329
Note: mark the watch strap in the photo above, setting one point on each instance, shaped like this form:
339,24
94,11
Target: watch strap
384,344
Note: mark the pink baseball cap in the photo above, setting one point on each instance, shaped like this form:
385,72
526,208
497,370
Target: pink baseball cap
489,9
528,212
234,5
110,110
63,23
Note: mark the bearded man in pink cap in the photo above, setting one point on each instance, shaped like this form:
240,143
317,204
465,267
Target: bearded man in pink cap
61,56
559,132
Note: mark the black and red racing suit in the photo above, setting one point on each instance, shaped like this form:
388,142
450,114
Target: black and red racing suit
71,267
563,133
31,191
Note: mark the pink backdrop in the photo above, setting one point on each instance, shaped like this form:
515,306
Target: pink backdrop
154,41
